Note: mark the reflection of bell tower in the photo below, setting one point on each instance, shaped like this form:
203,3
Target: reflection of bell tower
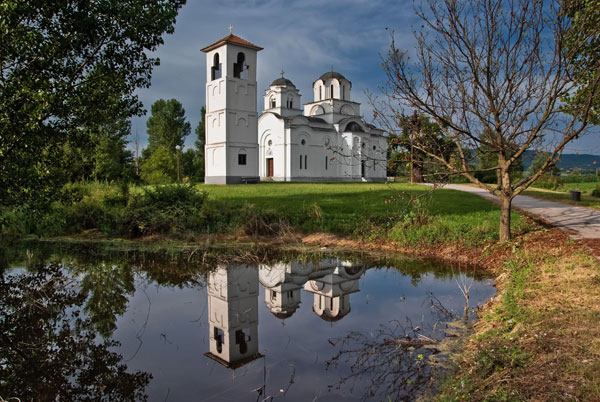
233,315
332,291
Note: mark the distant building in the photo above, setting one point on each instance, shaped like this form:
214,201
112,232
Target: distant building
327,141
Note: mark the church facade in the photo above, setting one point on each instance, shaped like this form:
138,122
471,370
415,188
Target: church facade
324,140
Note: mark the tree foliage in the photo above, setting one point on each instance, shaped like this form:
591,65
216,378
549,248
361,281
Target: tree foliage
492,75
65,65
166,126
582,44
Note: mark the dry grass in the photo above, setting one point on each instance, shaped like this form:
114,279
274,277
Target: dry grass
539,339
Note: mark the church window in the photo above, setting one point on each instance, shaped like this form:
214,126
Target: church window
305,162
240,69
273,295
320,305
240,339
374,147
270,143
300,162
320,93
273,103
326,162
331,304
362,145
343,92
219,337
331,92
290,294
215,70
291,104
241,159
303,142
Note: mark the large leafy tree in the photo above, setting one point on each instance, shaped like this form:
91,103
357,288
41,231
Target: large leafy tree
65,65
491,74
583,46
167,126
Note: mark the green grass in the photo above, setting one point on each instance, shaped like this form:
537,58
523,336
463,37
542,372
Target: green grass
398,212
562,194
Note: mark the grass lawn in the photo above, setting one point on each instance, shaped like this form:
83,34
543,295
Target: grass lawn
371,209
563,194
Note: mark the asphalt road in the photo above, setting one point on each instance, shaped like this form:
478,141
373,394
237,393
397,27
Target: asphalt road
579,222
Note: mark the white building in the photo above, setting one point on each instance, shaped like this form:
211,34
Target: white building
330,141
231,150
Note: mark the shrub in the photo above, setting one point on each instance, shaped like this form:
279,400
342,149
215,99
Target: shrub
596,191
548,183
171,209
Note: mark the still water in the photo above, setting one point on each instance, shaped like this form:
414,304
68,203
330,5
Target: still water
328,330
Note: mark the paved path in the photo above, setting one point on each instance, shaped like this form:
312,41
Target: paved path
579,222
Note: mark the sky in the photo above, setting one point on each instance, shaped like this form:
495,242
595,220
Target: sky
303,38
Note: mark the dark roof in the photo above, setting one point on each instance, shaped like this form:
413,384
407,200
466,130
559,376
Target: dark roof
331,74
284,314
235,40
282,82
313,119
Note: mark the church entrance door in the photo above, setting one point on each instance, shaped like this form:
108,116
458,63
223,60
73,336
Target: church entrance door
269,167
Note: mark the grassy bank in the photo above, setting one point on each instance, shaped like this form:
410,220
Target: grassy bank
562,194
539,338
407,215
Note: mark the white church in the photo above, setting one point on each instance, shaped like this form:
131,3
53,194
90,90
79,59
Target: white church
325,140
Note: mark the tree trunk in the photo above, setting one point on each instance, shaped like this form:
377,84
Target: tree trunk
505,208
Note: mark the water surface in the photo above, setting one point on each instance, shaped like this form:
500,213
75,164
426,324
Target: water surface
328,330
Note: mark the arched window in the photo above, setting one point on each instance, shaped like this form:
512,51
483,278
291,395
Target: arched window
273,103
331,92
320,93
215,70
343,92
240,69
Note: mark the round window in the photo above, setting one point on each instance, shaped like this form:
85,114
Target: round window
326,141
374,147
303,142
363,145
270,143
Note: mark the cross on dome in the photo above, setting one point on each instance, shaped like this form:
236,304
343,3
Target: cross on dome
282,72
230,29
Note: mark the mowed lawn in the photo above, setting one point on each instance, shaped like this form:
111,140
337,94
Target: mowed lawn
563,194
346,207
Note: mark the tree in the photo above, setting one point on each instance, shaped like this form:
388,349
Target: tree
99,153
491,74
160,167
412,129
65,65
166,126
583,43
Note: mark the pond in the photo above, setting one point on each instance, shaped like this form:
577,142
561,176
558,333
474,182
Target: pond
328,329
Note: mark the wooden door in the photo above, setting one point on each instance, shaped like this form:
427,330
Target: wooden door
269,167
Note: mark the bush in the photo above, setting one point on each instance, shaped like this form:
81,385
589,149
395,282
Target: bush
548,183
171,209
596,191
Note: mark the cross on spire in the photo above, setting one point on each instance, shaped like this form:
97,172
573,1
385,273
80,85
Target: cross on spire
282,72
332,68
230,29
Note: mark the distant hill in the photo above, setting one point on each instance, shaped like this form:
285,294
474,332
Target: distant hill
586,162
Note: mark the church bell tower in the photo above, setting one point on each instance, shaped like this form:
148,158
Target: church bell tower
231,150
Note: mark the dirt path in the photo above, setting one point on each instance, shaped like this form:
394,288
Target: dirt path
579,222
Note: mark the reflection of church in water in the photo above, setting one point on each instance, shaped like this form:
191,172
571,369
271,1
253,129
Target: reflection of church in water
233,301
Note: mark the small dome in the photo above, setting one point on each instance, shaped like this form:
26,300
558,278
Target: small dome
282,82
331,74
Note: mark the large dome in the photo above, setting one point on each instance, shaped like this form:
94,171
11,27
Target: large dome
332,74
282,82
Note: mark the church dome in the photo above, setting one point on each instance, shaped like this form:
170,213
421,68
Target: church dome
332,74
282,82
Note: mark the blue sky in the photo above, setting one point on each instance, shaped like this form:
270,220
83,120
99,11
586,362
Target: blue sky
304,38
